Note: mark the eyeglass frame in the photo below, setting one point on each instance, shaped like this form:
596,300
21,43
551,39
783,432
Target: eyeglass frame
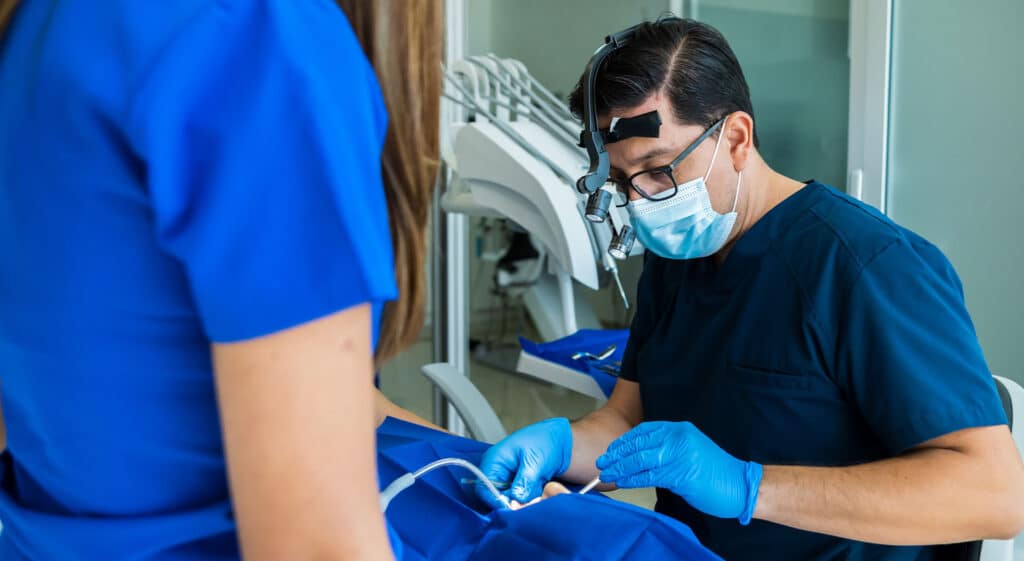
668,169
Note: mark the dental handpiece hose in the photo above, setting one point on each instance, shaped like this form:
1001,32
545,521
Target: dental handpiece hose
405,481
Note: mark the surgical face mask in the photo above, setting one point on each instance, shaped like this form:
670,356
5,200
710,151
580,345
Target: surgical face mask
684,226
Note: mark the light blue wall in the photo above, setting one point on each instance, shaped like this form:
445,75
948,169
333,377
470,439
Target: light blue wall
955,154
794,56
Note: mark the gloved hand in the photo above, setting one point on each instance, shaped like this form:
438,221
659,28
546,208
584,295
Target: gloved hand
528,458
682,459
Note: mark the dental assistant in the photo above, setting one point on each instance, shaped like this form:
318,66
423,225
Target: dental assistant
211,230
802,379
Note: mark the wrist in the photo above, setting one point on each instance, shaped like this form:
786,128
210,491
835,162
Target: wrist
565,439
753,476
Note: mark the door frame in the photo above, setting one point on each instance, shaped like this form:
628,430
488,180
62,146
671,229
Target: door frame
870,52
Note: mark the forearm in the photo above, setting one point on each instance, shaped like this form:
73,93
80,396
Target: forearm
591,436
923,497
300,448
386,408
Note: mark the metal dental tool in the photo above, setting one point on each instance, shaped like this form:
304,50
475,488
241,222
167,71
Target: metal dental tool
590,486
603,355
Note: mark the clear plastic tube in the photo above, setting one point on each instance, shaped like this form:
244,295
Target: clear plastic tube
405,481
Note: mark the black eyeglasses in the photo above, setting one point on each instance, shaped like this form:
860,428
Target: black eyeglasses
658,184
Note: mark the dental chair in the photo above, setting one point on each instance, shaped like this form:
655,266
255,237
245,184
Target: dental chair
481,420
1012,396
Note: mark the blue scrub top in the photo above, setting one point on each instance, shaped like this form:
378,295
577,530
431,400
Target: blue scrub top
171,174
830,336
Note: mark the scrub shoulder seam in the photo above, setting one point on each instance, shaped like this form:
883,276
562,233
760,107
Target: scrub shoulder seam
857,206
138,91
894,236
870,260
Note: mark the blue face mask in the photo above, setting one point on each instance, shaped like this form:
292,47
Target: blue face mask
684,226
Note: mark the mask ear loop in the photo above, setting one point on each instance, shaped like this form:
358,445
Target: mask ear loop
736,197
721,133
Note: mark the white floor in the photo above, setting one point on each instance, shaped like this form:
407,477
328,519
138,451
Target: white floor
516,399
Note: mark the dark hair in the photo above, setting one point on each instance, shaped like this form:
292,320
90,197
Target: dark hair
6,13
692,62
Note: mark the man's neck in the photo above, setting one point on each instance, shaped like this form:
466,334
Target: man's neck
765,189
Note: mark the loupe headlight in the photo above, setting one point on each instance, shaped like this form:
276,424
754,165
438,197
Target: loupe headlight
622,243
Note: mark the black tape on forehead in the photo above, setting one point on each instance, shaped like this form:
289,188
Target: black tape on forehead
646,125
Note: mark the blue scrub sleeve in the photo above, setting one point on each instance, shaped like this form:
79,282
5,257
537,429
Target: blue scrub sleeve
908,355
643,321
261,128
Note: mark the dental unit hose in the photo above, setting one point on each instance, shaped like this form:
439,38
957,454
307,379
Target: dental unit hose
405,481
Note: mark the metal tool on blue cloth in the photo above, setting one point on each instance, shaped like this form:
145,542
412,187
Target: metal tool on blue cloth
611,368
603,355
594,353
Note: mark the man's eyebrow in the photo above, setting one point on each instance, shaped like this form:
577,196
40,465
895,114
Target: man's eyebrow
650,155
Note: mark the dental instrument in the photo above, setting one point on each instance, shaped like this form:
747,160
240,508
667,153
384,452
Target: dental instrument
603,355
590,486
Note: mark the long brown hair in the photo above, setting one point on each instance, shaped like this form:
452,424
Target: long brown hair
6,11
403,40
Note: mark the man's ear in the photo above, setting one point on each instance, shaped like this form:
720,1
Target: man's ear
739,132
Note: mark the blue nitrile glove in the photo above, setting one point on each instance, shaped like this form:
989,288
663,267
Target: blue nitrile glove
680,458
528,458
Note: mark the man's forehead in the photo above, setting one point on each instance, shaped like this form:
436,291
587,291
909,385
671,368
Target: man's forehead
647,125
625,155
652,103
641,121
